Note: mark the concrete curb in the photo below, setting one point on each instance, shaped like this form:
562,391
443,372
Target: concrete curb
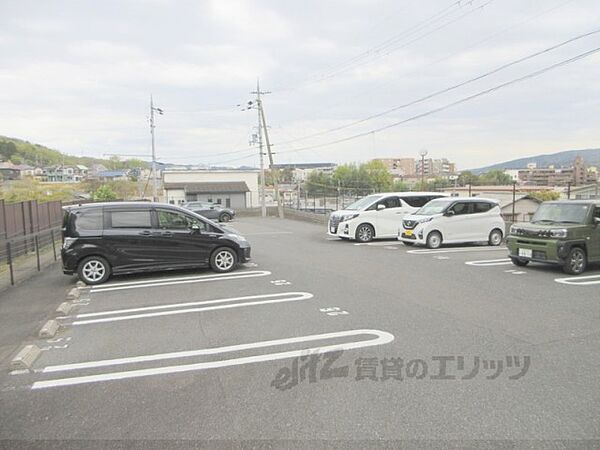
25,358
73,294
49,329
64,308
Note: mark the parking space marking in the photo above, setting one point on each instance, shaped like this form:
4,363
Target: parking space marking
587,280
456,250
268,233
381,338
184,308
179,280
489,262
515,272
378,244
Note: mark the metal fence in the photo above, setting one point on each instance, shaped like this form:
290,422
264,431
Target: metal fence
321,202
22,256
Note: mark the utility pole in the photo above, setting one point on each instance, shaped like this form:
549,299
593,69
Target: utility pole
514,195
261,193
152,126
274,174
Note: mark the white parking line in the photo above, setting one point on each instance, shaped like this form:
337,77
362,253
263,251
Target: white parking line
142,312
260,233
378,244
456,250
587,280
179,280
382,337
490,262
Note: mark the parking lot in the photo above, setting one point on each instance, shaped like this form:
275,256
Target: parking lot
454,343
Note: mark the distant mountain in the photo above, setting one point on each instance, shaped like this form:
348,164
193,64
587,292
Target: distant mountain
23,152
560,159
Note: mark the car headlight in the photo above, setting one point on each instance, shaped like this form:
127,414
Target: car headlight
559,233
426,219
349,217
513,229
237,237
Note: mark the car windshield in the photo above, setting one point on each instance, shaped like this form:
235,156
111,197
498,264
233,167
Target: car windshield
434,207
363,202
560,213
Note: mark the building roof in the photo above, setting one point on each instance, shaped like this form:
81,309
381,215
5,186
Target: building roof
112,173
304,166
210,187
504,205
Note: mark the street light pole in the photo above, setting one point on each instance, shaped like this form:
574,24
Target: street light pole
423,153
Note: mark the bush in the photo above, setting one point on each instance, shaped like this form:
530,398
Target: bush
104,194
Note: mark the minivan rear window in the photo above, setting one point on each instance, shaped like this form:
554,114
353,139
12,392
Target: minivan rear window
130,219
87,220
418,201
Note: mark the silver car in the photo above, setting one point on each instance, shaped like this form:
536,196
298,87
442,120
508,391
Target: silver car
209,210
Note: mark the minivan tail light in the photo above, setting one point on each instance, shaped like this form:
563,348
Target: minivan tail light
68,241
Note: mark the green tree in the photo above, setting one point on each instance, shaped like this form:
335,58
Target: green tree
467,177
495,178
400,186
377,175
7,150
544,196
104,194
318,182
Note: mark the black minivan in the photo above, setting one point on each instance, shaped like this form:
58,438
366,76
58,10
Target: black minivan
102,239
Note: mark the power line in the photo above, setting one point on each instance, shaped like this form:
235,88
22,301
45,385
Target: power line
450,105
445,90
381,54
379,51
379,86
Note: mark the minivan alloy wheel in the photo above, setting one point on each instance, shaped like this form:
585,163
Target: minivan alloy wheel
224,260
364,233
224,217
93,270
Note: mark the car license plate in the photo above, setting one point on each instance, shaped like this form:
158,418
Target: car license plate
332,229
408,232
525,252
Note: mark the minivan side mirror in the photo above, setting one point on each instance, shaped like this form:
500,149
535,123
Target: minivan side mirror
449,213
380,207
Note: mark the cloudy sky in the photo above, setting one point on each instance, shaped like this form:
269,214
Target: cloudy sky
77,76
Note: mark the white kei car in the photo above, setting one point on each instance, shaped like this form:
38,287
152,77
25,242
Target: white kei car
454,220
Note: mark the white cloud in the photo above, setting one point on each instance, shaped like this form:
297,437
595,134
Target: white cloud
79,78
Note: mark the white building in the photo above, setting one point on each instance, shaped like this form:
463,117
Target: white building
230,188
302,170
513,174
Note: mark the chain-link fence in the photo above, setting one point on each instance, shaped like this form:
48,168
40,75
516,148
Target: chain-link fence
321,201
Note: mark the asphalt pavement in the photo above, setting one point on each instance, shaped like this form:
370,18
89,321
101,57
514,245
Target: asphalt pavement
449,345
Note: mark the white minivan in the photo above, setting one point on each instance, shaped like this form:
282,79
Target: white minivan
454,220
377,215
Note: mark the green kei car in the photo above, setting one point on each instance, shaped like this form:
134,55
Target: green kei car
564,232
